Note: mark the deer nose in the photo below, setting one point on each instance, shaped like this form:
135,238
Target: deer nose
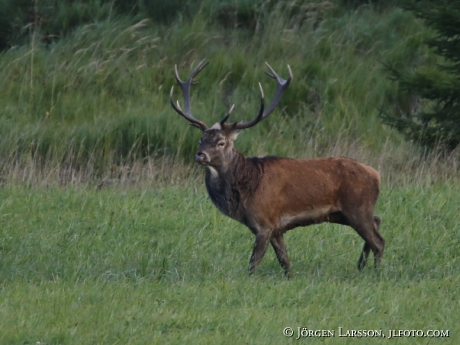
201,157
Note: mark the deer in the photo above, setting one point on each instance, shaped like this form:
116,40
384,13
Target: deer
271,195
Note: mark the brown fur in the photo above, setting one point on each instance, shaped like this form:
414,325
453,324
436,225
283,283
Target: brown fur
272,195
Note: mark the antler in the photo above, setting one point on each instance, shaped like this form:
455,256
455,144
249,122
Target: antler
185,86
282,85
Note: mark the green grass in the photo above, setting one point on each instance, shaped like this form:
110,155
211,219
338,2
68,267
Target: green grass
95,102
161,265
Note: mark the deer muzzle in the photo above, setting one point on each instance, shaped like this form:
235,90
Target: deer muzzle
202,157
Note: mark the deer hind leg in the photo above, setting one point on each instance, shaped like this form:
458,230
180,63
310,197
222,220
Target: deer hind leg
378,256
373,241
281,252
364,256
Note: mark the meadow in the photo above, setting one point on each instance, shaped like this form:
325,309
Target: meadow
163,266
107,235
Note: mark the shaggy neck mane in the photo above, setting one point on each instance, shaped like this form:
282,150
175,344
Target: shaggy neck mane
229,187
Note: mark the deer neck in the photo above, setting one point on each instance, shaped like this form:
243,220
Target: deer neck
224,185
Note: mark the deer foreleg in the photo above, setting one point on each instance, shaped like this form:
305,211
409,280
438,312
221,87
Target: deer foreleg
260,247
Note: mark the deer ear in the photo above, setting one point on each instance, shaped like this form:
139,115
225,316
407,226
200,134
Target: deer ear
234,134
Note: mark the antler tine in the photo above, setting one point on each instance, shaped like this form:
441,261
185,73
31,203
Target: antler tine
185,87
227,116
282,85
275,76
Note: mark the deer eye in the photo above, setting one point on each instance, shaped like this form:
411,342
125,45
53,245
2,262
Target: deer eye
221,143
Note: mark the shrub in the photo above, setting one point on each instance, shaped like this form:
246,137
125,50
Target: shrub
430,109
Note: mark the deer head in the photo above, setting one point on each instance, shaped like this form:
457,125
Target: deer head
216,144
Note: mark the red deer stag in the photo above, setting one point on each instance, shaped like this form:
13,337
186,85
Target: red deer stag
271,195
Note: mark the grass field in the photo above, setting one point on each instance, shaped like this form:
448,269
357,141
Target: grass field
107,235
127,265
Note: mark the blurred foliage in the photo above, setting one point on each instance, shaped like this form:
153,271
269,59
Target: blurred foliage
428,108
90,84
53,19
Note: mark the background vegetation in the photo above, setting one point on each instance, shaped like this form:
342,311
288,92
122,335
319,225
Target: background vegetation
87,97
434,116
106,233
